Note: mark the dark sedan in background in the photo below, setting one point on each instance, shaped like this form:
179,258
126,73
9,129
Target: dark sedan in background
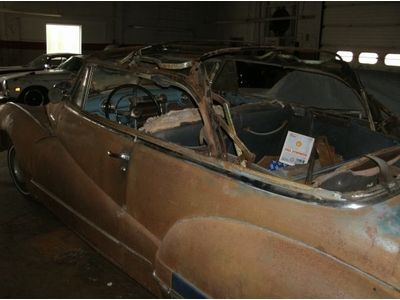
45,61
32,87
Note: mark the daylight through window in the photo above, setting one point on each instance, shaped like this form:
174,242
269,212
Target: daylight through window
346,55
370,58
64,38
392,59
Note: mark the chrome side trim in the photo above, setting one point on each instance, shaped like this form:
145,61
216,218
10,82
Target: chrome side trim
164,287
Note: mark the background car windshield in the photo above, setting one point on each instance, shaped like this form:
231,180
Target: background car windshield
73,64
38,61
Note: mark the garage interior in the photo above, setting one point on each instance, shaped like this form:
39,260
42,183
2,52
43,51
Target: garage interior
39,256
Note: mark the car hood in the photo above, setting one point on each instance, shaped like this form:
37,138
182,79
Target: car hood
10,69
14,75
40,73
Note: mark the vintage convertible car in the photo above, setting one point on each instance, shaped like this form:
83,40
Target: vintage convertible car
201,177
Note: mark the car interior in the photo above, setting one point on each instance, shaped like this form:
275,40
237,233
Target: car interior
170,114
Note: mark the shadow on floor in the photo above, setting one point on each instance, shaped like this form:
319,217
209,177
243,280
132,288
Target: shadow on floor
41,258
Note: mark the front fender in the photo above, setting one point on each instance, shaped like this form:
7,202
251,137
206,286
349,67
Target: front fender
225,258
22,126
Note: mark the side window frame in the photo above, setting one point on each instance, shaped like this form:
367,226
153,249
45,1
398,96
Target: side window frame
81,89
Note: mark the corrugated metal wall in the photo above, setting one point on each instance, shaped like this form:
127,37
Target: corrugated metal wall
362,27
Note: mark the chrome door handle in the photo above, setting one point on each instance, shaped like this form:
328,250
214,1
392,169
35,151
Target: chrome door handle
121,156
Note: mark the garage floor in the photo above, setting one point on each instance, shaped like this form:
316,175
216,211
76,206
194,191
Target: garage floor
41,258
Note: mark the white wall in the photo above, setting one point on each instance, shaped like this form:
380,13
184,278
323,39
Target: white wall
227,20
309,24
152,22
250,21
133,22
21,25
362,27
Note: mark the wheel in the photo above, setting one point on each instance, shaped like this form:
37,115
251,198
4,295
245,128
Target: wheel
16,173
35,96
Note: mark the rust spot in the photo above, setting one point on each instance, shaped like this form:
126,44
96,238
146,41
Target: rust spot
371,232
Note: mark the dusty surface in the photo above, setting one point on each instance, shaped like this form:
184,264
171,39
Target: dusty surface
171,119
41,258
175,118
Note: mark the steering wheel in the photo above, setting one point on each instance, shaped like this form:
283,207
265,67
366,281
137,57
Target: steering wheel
132,97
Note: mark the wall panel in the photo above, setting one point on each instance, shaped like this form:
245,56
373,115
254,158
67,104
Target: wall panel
362,26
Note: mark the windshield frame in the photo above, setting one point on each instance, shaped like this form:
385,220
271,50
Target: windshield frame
42,59
360,94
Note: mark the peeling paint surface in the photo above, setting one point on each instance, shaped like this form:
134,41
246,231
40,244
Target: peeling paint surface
390,222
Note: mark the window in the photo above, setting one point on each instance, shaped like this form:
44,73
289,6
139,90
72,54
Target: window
81,87
370,58
54,62
103,82
64,38
392,59
73,64
345,55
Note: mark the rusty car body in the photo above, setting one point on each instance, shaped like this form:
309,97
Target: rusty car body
152,165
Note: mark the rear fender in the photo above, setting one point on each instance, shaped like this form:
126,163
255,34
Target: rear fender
222,258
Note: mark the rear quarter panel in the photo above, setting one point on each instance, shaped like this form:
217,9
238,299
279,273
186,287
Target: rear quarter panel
228,258
234,219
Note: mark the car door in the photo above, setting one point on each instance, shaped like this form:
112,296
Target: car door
82,167
100,151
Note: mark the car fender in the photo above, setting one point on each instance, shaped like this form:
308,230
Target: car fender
44,80
20,81
221,257
23,126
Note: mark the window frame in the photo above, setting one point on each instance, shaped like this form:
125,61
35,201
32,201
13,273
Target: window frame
84,75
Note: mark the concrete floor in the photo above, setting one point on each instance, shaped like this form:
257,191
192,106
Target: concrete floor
41,258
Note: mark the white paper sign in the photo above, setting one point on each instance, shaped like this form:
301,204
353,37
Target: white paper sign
297,149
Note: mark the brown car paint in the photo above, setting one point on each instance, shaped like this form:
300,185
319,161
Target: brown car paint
170,209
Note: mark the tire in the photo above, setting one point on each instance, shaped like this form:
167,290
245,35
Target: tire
16,173
35,96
